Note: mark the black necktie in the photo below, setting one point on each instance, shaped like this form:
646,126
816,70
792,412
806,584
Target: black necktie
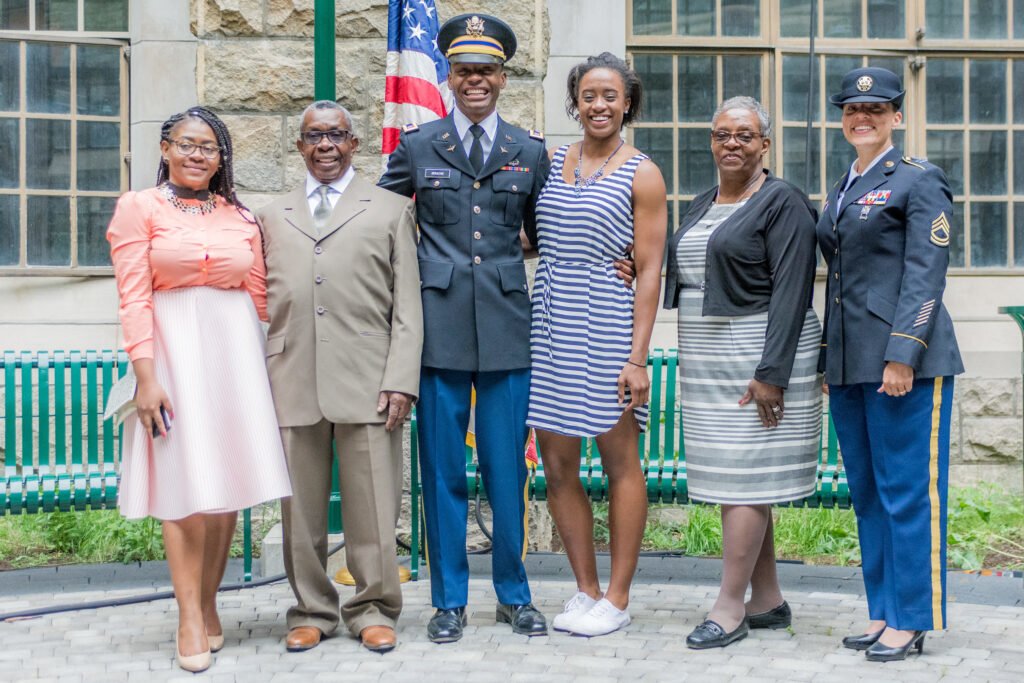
476,150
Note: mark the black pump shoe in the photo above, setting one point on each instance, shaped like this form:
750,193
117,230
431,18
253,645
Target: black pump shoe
446,625
710,634
525,619
780,617
863,641
880,652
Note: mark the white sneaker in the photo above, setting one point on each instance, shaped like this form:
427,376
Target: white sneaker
602,619
576,607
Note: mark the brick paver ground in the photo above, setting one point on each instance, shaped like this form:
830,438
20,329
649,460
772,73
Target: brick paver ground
135,643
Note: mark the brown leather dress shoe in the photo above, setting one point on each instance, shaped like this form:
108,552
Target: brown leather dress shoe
302,638
378,638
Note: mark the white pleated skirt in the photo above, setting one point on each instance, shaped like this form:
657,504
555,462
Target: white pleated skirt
223,451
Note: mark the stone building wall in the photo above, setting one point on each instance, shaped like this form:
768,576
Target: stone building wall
255,67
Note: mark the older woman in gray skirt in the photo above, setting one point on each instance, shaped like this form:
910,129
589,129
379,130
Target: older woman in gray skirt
741,271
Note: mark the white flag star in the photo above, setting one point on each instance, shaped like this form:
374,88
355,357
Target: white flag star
416,32
407,10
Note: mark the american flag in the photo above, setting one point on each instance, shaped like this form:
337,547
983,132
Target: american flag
416,90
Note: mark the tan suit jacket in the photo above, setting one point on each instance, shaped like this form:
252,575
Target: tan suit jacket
346,320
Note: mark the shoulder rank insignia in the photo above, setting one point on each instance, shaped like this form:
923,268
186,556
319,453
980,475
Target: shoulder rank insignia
908,160
536,135
410,128
940,231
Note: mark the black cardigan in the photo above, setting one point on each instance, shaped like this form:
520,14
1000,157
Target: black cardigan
761,258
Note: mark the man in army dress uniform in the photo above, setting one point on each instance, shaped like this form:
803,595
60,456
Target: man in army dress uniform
476,180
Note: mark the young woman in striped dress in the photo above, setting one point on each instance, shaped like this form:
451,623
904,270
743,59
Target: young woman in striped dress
590,334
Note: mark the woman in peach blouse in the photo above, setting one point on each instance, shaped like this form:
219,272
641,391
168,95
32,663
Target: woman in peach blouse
192,284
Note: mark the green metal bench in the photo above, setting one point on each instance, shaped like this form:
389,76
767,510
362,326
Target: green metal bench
662,454
59,454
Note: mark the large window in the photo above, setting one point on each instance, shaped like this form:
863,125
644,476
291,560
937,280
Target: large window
63,132
962,62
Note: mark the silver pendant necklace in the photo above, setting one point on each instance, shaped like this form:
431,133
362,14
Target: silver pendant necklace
580,182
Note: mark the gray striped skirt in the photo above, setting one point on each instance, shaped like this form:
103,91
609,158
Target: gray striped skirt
730,457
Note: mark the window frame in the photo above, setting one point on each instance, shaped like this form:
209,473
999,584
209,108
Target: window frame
72,40
915,49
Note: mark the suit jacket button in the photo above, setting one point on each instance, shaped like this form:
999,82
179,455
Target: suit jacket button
318,250
477,235
320,310
476,209
836,299
476,260
476,185
319,279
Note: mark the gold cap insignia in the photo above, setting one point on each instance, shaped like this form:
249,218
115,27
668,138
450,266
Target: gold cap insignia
940,231
474,26
864,83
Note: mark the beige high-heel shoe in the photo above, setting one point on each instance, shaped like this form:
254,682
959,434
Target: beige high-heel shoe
192,663
216,642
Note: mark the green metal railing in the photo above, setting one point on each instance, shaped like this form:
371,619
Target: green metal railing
1017,313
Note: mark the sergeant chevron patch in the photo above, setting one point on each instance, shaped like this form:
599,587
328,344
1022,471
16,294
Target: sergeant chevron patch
940,231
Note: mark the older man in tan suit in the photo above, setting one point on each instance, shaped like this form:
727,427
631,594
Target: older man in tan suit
343,353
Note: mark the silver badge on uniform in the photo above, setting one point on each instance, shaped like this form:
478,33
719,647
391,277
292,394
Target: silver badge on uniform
864,211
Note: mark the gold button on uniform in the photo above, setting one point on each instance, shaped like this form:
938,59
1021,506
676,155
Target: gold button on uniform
477,235
515,188
476,209
836,299
476,185
476,260
837,275
437,183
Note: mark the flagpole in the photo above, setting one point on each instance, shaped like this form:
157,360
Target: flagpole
323,50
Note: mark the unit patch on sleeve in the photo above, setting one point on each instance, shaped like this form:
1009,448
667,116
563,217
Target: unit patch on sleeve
940,231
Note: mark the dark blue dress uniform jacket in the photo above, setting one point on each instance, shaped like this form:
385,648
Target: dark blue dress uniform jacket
476,307
887,254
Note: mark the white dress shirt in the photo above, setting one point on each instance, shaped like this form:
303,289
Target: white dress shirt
854,175
333,194
490,126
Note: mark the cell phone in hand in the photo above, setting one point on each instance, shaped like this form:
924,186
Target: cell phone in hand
167,423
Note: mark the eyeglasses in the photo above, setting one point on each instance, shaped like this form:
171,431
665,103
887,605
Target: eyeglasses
186,148
744,137
869,108
313,137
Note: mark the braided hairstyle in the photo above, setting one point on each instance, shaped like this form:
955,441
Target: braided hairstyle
223,181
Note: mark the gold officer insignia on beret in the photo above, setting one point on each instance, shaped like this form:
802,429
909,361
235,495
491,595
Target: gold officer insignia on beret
864,83
940,231
474,26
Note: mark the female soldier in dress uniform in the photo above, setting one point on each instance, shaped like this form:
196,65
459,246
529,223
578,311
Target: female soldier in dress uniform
889,356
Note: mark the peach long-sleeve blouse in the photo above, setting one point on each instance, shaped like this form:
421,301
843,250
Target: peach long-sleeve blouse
155,246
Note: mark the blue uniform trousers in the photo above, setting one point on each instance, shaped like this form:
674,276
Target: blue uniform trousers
442,415
896,454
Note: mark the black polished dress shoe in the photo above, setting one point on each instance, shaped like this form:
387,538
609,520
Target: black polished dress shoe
525,619
880,652
446,625
780,617
709,634
863,641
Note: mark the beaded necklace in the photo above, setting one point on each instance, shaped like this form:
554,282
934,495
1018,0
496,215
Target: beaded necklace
581,182
203,208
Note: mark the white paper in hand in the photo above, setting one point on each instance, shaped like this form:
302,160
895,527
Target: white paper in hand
121,399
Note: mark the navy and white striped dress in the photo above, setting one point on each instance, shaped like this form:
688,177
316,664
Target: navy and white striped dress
582,330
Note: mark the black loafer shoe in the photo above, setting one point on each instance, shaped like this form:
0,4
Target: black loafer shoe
780,617
863,641
879,652
525,619
709,634
446,625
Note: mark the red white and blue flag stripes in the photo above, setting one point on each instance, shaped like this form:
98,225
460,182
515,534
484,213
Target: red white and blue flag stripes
416,90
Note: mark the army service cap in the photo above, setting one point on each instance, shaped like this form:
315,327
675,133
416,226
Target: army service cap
476,39
870,84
